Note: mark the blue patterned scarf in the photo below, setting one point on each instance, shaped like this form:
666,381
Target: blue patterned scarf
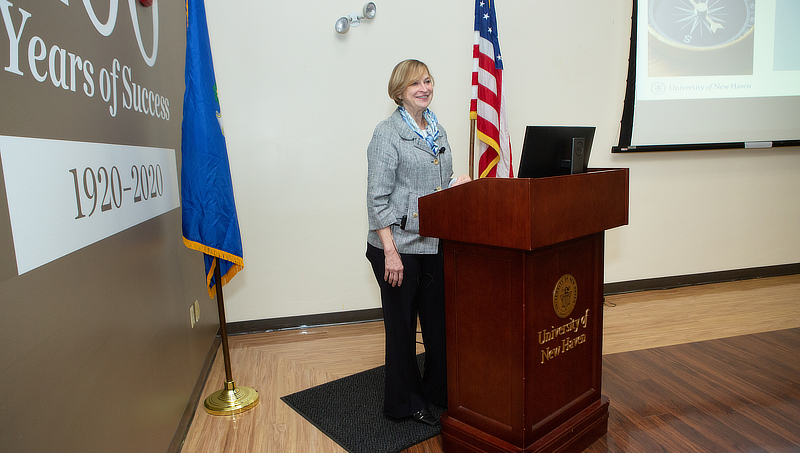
431,132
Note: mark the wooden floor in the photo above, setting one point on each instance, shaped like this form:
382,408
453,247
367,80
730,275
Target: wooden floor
737,394
712,368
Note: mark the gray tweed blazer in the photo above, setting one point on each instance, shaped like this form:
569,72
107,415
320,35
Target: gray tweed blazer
401,168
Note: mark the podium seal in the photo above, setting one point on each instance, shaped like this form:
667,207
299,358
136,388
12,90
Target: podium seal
565,295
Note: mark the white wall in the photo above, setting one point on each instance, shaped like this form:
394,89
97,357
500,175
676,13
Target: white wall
300,103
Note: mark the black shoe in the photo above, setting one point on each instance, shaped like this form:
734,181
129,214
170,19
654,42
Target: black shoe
425,416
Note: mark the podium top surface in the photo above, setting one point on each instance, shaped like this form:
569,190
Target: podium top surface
527,214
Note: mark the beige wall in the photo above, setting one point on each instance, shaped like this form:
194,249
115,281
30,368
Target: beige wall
300,103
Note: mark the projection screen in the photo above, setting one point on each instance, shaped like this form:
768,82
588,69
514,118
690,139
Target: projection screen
713,74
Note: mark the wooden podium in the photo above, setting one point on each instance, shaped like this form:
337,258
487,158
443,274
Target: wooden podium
524,295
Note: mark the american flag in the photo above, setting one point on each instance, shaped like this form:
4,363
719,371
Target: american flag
488,104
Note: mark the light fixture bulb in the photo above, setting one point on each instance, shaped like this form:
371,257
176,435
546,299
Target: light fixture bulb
342,25
369,10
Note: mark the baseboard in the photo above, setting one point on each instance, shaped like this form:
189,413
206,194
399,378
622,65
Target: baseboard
194,400
294,322
700,279
376,314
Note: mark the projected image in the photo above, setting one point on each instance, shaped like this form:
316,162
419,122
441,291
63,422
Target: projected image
700,37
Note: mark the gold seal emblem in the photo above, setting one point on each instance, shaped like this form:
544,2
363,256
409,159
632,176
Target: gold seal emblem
565,295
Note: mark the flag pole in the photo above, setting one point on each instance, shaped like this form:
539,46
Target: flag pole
472,125
231,399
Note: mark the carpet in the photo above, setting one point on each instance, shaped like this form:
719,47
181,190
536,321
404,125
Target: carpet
350,411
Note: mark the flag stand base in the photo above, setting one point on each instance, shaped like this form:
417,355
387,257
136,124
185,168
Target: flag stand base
231,400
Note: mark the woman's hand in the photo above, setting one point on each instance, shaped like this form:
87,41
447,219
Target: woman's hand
461,180
393,273
393,265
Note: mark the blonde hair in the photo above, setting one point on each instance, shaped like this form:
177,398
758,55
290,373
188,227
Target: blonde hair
403,75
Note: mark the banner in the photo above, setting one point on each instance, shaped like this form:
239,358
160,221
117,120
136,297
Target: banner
210,224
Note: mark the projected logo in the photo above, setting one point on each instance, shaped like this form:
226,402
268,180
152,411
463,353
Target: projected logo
658,88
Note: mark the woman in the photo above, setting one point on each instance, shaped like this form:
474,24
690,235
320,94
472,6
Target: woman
409,157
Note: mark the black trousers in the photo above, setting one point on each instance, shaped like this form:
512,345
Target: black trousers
422,293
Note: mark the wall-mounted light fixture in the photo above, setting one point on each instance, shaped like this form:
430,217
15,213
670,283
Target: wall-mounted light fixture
354,20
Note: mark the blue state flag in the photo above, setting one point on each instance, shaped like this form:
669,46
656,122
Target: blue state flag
210,224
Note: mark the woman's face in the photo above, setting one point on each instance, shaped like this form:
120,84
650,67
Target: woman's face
417,97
